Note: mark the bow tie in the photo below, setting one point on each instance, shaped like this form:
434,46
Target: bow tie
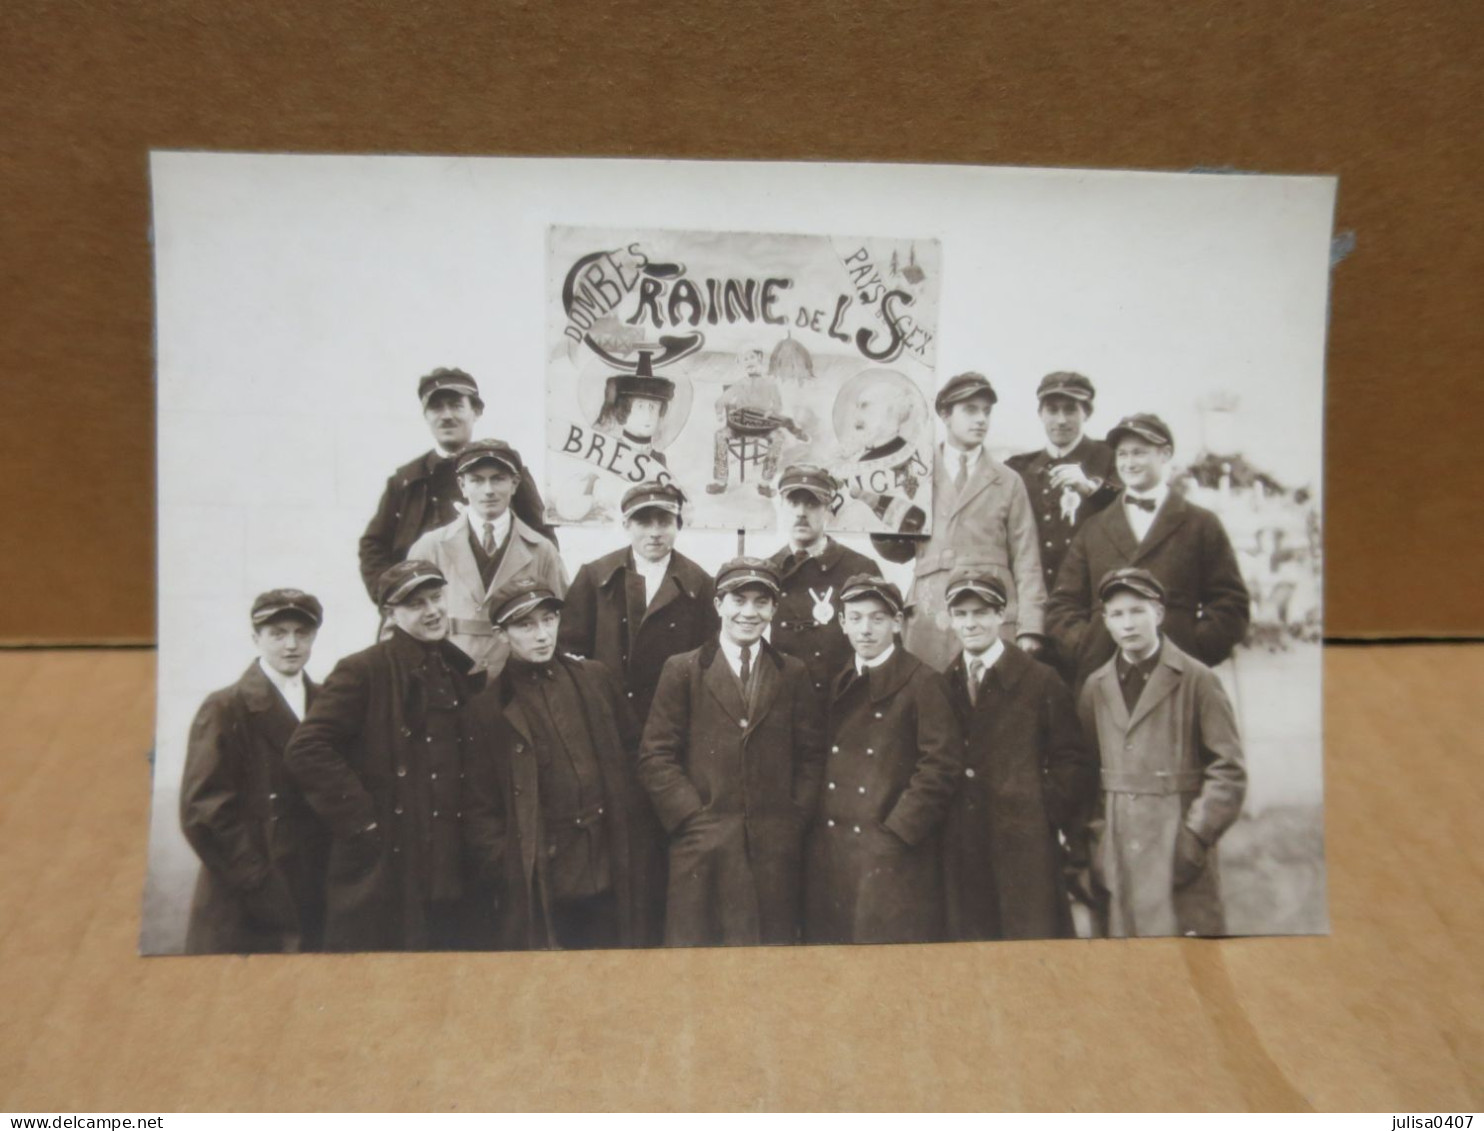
1142,504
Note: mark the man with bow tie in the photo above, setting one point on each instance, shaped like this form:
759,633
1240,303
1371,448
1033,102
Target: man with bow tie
1074,476
1207,607
422,494
556,818
812,571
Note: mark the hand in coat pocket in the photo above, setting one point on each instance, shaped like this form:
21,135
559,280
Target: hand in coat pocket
700,832
1190,857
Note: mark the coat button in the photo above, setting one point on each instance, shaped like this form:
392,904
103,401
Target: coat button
855,828
878,714
832,785
631,694
401,771
398,810
830,823
834,750
429,738
434,775
742,723
969,772
273,797
435,812
860,789
869,750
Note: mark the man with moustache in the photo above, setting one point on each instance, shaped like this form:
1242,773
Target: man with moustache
1028,776
732,757
261,885
872,869
635,608
1207,609
812,571
1073,476
422,494
982,519
556,817
380,758
1173,771
486,548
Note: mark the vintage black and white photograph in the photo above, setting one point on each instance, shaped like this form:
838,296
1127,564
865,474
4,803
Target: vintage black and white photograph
564,554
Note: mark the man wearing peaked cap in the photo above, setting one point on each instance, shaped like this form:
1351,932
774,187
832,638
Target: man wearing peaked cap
422,495
1028,776
1173,771
1073,476
982,517
487,547
634,608
261,884
812,569
872,868
380,757
731,757
556,819
1152,527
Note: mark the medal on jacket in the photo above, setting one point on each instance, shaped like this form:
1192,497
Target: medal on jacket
1070,501
824,612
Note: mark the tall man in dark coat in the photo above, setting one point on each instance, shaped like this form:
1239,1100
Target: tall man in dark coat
556,818
872,868
380,758
1028,775
261,885
423,494
633,609
812,570
732,757
1152,527
1073,476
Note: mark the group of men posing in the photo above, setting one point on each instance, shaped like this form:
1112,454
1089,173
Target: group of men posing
788,751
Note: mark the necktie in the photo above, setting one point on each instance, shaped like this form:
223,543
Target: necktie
976,676
963,471
746,673
1142,504
489,538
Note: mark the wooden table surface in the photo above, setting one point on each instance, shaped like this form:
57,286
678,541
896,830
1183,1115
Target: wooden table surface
1385,1014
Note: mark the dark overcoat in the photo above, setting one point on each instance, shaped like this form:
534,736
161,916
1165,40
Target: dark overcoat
423,495
1054,527
250,825
872,870
1206,602
733,787
1175,760
503,825
796,631
605,619
351,757
1028,774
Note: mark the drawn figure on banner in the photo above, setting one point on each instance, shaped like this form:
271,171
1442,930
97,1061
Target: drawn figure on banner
803,349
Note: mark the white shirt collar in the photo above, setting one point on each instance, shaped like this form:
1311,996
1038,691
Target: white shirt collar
1060,453
290,687
501,525
813,551
955,456
862,666
650,569
733,653
988,656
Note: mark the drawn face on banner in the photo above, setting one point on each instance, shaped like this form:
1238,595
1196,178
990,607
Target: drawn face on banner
641,416
285,643
875,408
